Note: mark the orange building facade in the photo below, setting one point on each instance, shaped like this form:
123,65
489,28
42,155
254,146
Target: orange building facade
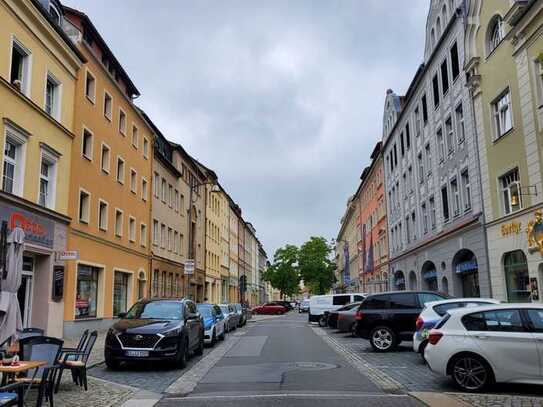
372,227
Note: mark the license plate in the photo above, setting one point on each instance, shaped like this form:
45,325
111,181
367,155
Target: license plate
137,353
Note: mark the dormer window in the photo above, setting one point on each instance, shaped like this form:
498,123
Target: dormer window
54,13
496,34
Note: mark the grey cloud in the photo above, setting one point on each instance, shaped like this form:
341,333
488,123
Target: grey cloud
283,99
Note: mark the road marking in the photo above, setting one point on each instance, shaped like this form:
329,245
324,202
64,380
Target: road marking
289,395
189,380
378,377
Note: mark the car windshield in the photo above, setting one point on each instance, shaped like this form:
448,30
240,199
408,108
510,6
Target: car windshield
224,309
168,310
205,310
238,307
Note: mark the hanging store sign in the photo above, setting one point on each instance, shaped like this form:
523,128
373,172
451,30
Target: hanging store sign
189,267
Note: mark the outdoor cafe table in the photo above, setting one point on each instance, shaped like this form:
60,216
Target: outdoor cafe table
22,366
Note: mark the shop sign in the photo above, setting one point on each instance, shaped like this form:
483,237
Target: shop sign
512,228
38,229
466,266
189,267
535,233
68,255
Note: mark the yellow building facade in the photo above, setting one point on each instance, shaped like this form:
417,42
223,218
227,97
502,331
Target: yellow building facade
213,246
110,188
224,219
37,86
234,252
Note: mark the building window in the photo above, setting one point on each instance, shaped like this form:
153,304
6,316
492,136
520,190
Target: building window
455,62
456,196
432,212
47,180
164,190
102,215
163,236
52,97
122,122
155,284
444,77
12,176
450,135
417,122
120,170
175,241
86,302
170,239
156,185
132,229
90,87
108,105
143,189
414,223
20,67
155,232
145,148
170,196
120,292
424,109
501,109
402,144
135,137
445,203
407,137
428,154
496,34
421,168
87,144
105,158
510,191
176,202
143,235
84,206
118,223
133,180
435,87
424,218
440,145
460,129
54,13
517,278
466,189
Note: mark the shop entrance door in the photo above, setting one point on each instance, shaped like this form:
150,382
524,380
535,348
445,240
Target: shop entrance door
24,295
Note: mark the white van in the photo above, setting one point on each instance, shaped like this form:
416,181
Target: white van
318,304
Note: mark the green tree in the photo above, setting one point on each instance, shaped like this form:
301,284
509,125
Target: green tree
316,265
283,274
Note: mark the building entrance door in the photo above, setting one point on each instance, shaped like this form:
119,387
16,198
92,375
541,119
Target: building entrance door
24,295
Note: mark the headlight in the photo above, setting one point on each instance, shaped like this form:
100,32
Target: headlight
173,332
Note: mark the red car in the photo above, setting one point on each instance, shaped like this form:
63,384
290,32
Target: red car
270,309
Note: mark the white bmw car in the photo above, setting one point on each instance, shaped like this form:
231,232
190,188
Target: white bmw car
494,343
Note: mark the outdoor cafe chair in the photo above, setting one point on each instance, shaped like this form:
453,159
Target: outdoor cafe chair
76,361
29,332
78,348
12,395
41,348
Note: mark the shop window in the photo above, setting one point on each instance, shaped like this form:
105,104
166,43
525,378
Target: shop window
86,303
510,191
516,276
120,292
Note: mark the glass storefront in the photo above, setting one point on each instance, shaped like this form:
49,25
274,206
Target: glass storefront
87,291
120,293
517,278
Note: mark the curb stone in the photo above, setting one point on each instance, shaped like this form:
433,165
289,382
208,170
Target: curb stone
433,399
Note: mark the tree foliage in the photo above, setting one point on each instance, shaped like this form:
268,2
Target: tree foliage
316,266
283,274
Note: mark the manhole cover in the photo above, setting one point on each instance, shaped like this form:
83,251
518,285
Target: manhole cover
314,366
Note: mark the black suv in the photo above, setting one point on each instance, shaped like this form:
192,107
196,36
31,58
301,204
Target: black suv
388,318
156,330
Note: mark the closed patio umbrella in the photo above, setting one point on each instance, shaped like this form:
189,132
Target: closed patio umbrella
11,321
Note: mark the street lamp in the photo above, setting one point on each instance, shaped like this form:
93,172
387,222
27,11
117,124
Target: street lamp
191,260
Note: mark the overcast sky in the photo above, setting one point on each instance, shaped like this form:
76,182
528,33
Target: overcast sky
283,99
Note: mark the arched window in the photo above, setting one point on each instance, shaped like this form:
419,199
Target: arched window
517,278
495,33
445,285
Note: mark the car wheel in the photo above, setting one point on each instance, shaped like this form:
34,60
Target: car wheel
322,321
222,336
200,349
382,339
112,364
182,353
213,338
471,373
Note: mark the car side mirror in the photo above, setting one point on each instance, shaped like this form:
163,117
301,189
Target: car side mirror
122,315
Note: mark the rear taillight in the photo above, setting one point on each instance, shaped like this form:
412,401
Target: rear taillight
419,324
434,337
359,315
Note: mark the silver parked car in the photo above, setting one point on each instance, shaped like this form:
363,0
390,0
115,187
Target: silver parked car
232,318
